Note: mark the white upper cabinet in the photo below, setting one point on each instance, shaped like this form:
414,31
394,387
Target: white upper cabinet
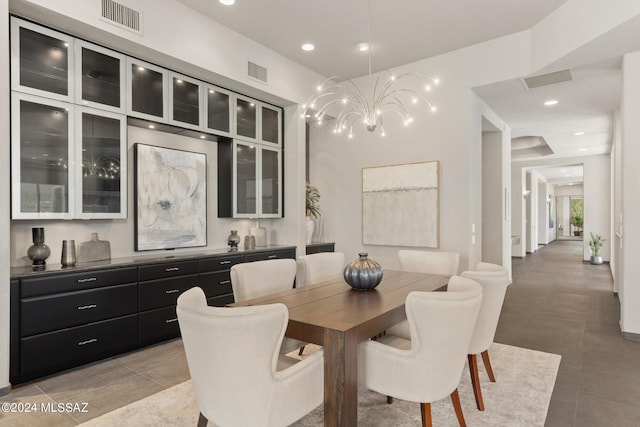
147,94
185,102
41,61
100,77
218,107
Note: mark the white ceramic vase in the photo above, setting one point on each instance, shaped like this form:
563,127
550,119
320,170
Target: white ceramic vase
309,229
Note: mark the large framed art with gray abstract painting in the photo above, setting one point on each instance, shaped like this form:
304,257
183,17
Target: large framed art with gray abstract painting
401,205
170,198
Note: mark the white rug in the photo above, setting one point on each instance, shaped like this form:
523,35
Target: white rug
519,397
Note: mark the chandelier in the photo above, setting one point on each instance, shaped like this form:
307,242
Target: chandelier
345,102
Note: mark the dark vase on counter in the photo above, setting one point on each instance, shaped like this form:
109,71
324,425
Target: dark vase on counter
363,274
38,252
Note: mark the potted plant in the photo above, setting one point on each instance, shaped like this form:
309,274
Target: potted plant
595,244
312,208
577,221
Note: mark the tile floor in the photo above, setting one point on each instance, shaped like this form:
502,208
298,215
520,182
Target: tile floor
557,303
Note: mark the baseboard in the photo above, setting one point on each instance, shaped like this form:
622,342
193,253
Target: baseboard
631,336
5,390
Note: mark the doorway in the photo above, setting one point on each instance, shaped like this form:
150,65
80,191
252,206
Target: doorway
570,217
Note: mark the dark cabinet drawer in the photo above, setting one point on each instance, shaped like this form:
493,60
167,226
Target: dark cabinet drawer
158,325
216,283
53,284
281,253
220,263
220,301
169,269
164,292
43,314
315,248
53,351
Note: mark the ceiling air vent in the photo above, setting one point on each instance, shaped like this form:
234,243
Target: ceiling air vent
257,72
121,15
548,79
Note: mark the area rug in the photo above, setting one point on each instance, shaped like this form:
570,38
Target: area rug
519,397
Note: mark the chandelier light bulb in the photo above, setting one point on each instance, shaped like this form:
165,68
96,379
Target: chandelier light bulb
434,109
427,88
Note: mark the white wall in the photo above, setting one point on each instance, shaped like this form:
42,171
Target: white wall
492,194
543,213
569,190
518,211
551,231
616,223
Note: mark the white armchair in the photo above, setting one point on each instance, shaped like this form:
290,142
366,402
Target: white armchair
238,378
494,280
427,367
255,279
319,267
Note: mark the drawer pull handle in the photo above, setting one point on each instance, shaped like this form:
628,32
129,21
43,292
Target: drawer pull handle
87,307
172,291
91,341
225,262
168,269
87,279
225,282
171,320
272,256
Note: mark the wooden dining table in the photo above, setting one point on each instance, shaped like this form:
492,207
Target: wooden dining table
338,318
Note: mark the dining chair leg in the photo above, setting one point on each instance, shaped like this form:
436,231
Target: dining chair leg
455,399
425,412
475,380
487,365
300,351
202,421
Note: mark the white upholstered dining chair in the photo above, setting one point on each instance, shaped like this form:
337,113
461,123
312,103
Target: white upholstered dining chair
494,280
259,278
427,367
237,373
431,262
319,267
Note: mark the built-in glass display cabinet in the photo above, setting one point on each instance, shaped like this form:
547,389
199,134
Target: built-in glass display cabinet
257,121
218,113
270,124
100,77
246,118
41,61
147,95
185,100
249,180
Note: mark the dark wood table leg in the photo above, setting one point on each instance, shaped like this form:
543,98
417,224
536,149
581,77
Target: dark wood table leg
340,379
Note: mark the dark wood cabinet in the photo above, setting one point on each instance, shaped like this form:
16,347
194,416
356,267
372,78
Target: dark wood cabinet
61,319
314,248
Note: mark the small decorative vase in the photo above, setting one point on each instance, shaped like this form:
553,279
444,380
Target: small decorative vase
68,258
363,274
233,240
38,252
250,242
309,225
597,260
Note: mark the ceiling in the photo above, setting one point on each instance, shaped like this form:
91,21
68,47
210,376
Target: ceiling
410,30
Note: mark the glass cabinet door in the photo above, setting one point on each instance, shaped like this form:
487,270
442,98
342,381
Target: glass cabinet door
42,140
270,187
147,96
246,118
41,61
271,129
218,105
246,184
102,164
99,77
185,101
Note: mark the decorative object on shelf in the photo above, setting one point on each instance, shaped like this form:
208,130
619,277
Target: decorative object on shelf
363,274
401,205
595,244
233,240
38,252
249,242
260,234
68,258
312,208
94,250
349,105
171,198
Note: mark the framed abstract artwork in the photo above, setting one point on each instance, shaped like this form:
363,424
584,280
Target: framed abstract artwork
401,205
170,198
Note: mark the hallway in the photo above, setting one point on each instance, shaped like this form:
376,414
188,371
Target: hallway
559,304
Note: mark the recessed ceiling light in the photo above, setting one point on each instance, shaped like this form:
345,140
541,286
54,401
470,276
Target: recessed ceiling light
227,2
308,47
363,47
578,133
582,149
551,102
